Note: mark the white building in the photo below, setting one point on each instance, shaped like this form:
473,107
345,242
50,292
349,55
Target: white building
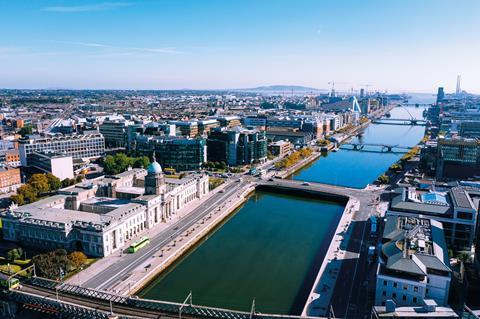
79,146
99,217
413,263
60,165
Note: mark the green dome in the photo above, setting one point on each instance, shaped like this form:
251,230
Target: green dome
154,168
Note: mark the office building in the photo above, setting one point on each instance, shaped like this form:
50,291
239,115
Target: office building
413,267
60,165
115,132
458,157
89,145
280,148
237,146
188,129
179,153
456,208
229,121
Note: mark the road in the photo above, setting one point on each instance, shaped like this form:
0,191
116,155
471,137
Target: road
107,278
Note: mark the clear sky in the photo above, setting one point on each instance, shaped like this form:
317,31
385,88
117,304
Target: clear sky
407,45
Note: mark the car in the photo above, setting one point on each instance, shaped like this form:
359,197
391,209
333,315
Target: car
222,191
270,179
306,184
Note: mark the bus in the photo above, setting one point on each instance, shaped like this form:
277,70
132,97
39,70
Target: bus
139,244
8,283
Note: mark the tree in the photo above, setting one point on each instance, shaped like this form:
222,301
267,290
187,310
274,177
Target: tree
54,183
384,179
26,130
78,259
28,192
15,253
141,162
18,199
109,165
68,182
39,183
49,264
79,178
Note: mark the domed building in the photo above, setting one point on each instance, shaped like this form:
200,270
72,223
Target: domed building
154,181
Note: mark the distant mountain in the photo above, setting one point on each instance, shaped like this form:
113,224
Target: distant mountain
282,88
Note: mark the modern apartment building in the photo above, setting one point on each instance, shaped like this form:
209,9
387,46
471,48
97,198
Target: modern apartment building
80,146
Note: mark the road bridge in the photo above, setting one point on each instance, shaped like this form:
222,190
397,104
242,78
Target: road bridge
358,146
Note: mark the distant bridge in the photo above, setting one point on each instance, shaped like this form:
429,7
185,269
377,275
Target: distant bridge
381,148
392,121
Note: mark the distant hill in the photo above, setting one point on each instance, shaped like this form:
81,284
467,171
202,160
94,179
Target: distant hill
282,88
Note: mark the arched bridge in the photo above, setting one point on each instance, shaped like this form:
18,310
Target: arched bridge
393,121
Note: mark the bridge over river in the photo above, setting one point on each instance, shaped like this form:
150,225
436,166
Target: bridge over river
376,147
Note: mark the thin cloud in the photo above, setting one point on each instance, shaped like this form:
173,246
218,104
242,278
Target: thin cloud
88,7
166,50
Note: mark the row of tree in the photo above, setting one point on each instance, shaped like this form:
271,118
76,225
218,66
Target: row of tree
35,188
56,264
120,162
294,158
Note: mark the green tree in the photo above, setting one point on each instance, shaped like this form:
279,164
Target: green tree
15,253
141,162
28,192
26,130
39,183
79,178
54,183
18,199
109,165
68,182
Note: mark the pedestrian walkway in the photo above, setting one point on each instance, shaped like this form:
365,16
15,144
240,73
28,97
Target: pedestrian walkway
318,302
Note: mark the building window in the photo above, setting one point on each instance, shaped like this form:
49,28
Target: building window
405,286
394,295
384,282
415,288
384,293
404,298
426,291
394,285
414,299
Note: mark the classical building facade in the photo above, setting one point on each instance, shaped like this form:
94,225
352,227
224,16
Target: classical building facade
101,216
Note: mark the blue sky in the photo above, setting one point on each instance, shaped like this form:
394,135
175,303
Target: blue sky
405,45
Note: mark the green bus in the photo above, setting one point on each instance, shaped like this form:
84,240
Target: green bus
136,245
8,283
